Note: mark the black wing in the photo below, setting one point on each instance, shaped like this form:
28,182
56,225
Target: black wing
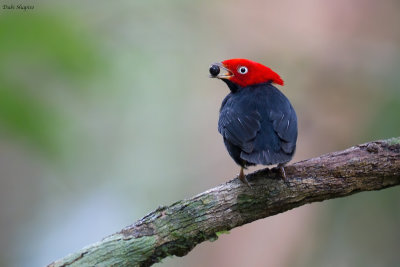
285,125
276,142
239,128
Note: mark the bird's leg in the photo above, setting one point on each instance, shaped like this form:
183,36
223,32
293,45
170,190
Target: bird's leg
282,172
242,177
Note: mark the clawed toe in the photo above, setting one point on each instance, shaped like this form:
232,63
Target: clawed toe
282,171
242,178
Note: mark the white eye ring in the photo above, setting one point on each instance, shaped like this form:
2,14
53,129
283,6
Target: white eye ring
242,70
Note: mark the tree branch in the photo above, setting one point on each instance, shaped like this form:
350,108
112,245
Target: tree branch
178,228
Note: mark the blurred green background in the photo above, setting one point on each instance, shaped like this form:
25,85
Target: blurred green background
106,112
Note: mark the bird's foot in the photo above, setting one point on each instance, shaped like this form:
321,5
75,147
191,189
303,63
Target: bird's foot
242,178
282,171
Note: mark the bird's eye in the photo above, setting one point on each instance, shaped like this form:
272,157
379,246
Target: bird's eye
242,70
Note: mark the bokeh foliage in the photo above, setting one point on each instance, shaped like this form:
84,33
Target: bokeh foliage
37,52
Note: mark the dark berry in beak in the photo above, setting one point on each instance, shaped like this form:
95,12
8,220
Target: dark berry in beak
214,70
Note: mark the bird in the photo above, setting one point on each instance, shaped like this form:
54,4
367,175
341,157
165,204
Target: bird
256,120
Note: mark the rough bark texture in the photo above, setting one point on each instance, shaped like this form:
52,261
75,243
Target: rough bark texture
178,228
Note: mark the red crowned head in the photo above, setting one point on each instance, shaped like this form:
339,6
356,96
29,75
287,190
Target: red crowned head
244,72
